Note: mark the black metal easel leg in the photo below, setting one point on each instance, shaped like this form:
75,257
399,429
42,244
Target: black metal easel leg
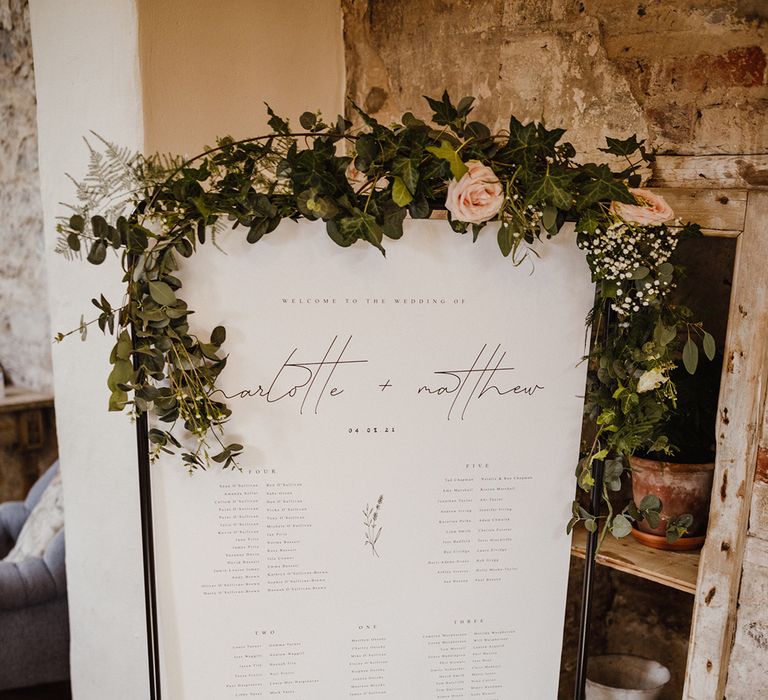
147,543
587,588
148,551
588,585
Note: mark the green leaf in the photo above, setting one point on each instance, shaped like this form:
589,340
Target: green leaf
620,527
77,223
650,502
308,120
653,518
627,147
98,253
408,170
551,188
549,217
690,356
393,222
117,400
444,112
400,193
362,226
162,293
100,226
218,335
640,272
709,346
122,373
506,238
339,237
448,153
602,187
73,241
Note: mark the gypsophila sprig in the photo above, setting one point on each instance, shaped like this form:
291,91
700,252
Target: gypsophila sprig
362,180
634,261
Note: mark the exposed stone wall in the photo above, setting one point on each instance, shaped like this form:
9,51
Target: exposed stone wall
25,338
689,76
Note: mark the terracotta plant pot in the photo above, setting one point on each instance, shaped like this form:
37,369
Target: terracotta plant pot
681,488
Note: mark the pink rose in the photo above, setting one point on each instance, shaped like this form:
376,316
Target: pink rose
652,209
477,197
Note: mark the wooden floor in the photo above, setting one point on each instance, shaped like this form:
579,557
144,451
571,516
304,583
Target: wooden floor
56,691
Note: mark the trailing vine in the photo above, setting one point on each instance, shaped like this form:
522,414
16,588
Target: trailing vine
362,182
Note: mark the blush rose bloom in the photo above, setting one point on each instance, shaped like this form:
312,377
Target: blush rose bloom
477,197
653,209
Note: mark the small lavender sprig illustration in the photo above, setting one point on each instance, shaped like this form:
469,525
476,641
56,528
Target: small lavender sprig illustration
372,528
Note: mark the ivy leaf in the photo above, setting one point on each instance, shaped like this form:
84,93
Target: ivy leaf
444,112
276,123
335,233
162,293
589,221
709,346
626,147
690,356
400,194
447,152
393,222
408,170
602,187
362,226
552,188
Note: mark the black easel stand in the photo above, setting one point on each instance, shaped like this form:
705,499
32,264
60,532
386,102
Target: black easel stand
148,548
589,562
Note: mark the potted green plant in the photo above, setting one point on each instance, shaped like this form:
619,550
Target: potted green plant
671,492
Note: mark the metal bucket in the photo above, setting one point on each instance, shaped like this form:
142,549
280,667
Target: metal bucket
624,677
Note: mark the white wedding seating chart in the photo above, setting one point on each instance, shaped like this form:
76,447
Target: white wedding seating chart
411,429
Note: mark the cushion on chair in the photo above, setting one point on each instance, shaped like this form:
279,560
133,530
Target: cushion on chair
45,520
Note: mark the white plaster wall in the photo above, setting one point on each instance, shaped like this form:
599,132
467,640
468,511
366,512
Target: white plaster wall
86,56
87,75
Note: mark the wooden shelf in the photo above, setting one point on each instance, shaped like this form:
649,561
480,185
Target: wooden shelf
674,569
18,398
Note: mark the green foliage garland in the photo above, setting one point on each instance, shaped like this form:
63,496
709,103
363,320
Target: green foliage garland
153,210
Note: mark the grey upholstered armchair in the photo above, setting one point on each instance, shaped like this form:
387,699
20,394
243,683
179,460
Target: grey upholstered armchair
34,625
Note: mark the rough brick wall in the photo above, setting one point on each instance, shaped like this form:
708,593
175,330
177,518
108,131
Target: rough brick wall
25,339
688,75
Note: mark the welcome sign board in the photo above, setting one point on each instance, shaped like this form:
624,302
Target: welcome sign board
411,428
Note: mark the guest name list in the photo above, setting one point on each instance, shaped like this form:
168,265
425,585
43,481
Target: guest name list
396,528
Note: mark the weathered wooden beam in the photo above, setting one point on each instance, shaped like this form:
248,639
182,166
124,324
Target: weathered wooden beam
718,171
741,405
714,209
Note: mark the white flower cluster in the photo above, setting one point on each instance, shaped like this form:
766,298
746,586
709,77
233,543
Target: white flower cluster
530,216
636,258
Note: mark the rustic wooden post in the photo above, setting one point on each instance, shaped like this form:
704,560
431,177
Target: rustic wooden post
742,398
